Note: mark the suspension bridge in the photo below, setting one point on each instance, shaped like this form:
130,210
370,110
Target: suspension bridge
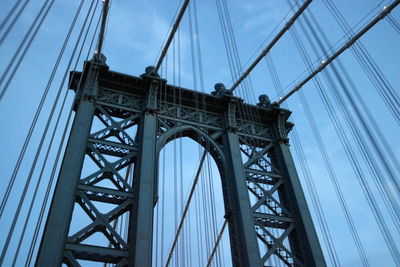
191,158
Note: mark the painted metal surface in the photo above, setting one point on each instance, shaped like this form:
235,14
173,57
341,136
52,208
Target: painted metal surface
265,206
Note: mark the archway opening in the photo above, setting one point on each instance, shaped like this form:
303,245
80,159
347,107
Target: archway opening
179,162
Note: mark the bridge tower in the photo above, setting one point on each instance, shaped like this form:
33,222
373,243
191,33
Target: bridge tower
265,207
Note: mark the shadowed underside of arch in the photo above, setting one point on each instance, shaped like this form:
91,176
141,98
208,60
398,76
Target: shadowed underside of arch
207,142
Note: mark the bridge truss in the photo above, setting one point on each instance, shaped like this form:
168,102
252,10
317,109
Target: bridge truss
261,192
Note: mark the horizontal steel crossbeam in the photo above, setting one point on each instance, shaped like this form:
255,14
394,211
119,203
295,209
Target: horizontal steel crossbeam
96,253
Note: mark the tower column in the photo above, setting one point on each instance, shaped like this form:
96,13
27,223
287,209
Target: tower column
244,249
304,241
240,214
141,233
60,213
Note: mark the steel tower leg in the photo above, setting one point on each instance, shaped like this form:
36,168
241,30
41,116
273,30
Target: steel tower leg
60,213
141,234
307,244
244,247
241,219
142,226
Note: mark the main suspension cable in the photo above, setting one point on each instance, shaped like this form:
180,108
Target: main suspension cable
370,67
106,5
380,144
324,153
357,168
348,44
271,44
171,35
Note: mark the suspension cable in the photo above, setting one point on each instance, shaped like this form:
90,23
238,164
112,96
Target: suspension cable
368,64
56,161
324,153
219,237
206,227
44,164
171,35
271,44
106,5
349,43
346,145
12,23
394,23
186,209
307,175
198,47
9,14
17,213
248,91
386,191
37,114
36,25
234,61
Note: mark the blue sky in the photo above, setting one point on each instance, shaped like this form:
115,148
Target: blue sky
135,33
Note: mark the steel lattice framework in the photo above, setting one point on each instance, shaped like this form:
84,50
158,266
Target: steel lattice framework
265,206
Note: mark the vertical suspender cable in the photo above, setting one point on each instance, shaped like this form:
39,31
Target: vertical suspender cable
29,135
389,96
198,47
202,226
370,67
9,14
308,177
186,209
362,144
332,57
